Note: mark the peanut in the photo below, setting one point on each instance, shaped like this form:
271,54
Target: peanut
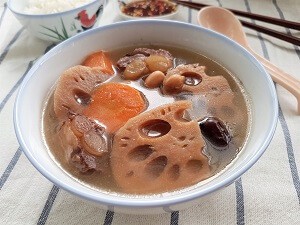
155,79
173,84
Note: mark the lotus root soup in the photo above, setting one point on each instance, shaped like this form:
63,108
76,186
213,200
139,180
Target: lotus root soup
145,120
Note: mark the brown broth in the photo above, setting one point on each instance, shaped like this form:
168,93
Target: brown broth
218,159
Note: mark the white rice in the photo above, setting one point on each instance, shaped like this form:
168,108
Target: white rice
52,6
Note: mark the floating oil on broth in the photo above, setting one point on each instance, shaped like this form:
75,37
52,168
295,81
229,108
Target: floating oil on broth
154,98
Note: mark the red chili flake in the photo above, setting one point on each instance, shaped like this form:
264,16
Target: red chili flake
146,8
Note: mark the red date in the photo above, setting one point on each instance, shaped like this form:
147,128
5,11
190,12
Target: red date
215,131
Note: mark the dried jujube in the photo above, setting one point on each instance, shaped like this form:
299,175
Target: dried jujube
215,131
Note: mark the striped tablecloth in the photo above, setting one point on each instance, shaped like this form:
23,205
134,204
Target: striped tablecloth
269,193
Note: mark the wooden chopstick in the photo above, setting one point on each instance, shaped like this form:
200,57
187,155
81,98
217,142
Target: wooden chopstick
282,36
276,21
288,38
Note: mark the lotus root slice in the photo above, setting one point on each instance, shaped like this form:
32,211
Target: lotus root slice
217,91
163,161
196,80
73,90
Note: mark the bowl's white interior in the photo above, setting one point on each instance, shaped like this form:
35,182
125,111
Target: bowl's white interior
41,78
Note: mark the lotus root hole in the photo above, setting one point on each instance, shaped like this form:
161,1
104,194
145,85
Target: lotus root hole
185,145
155,168
65,106
163,112
82,97
129,174
194,166
125,138
174,172
124,145
155,128
140,153
192,78
182,138
181,115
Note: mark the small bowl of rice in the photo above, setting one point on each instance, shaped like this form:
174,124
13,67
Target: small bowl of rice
56,20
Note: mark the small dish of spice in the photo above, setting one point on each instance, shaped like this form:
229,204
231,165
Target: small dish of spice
147,9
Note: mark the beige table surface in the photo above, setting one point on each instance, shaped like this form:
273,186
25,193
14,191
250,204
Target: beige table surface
269,193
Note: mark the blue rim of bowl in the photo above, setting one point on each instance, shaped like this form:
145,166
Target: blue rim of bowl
51,14
119,201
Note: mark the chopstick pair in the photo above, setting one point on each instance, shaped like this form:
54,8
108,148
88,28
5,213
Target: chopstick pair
285,23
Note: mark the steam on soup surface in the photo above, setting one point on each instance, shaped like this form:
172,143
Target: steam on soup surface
145,120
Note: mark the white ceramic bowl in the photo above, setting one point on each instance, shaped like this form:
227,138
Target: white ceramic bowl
124,16
43,75
59,26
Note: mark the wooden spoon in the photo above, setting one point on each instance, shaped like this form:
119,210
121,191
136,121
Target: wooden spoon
223,21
